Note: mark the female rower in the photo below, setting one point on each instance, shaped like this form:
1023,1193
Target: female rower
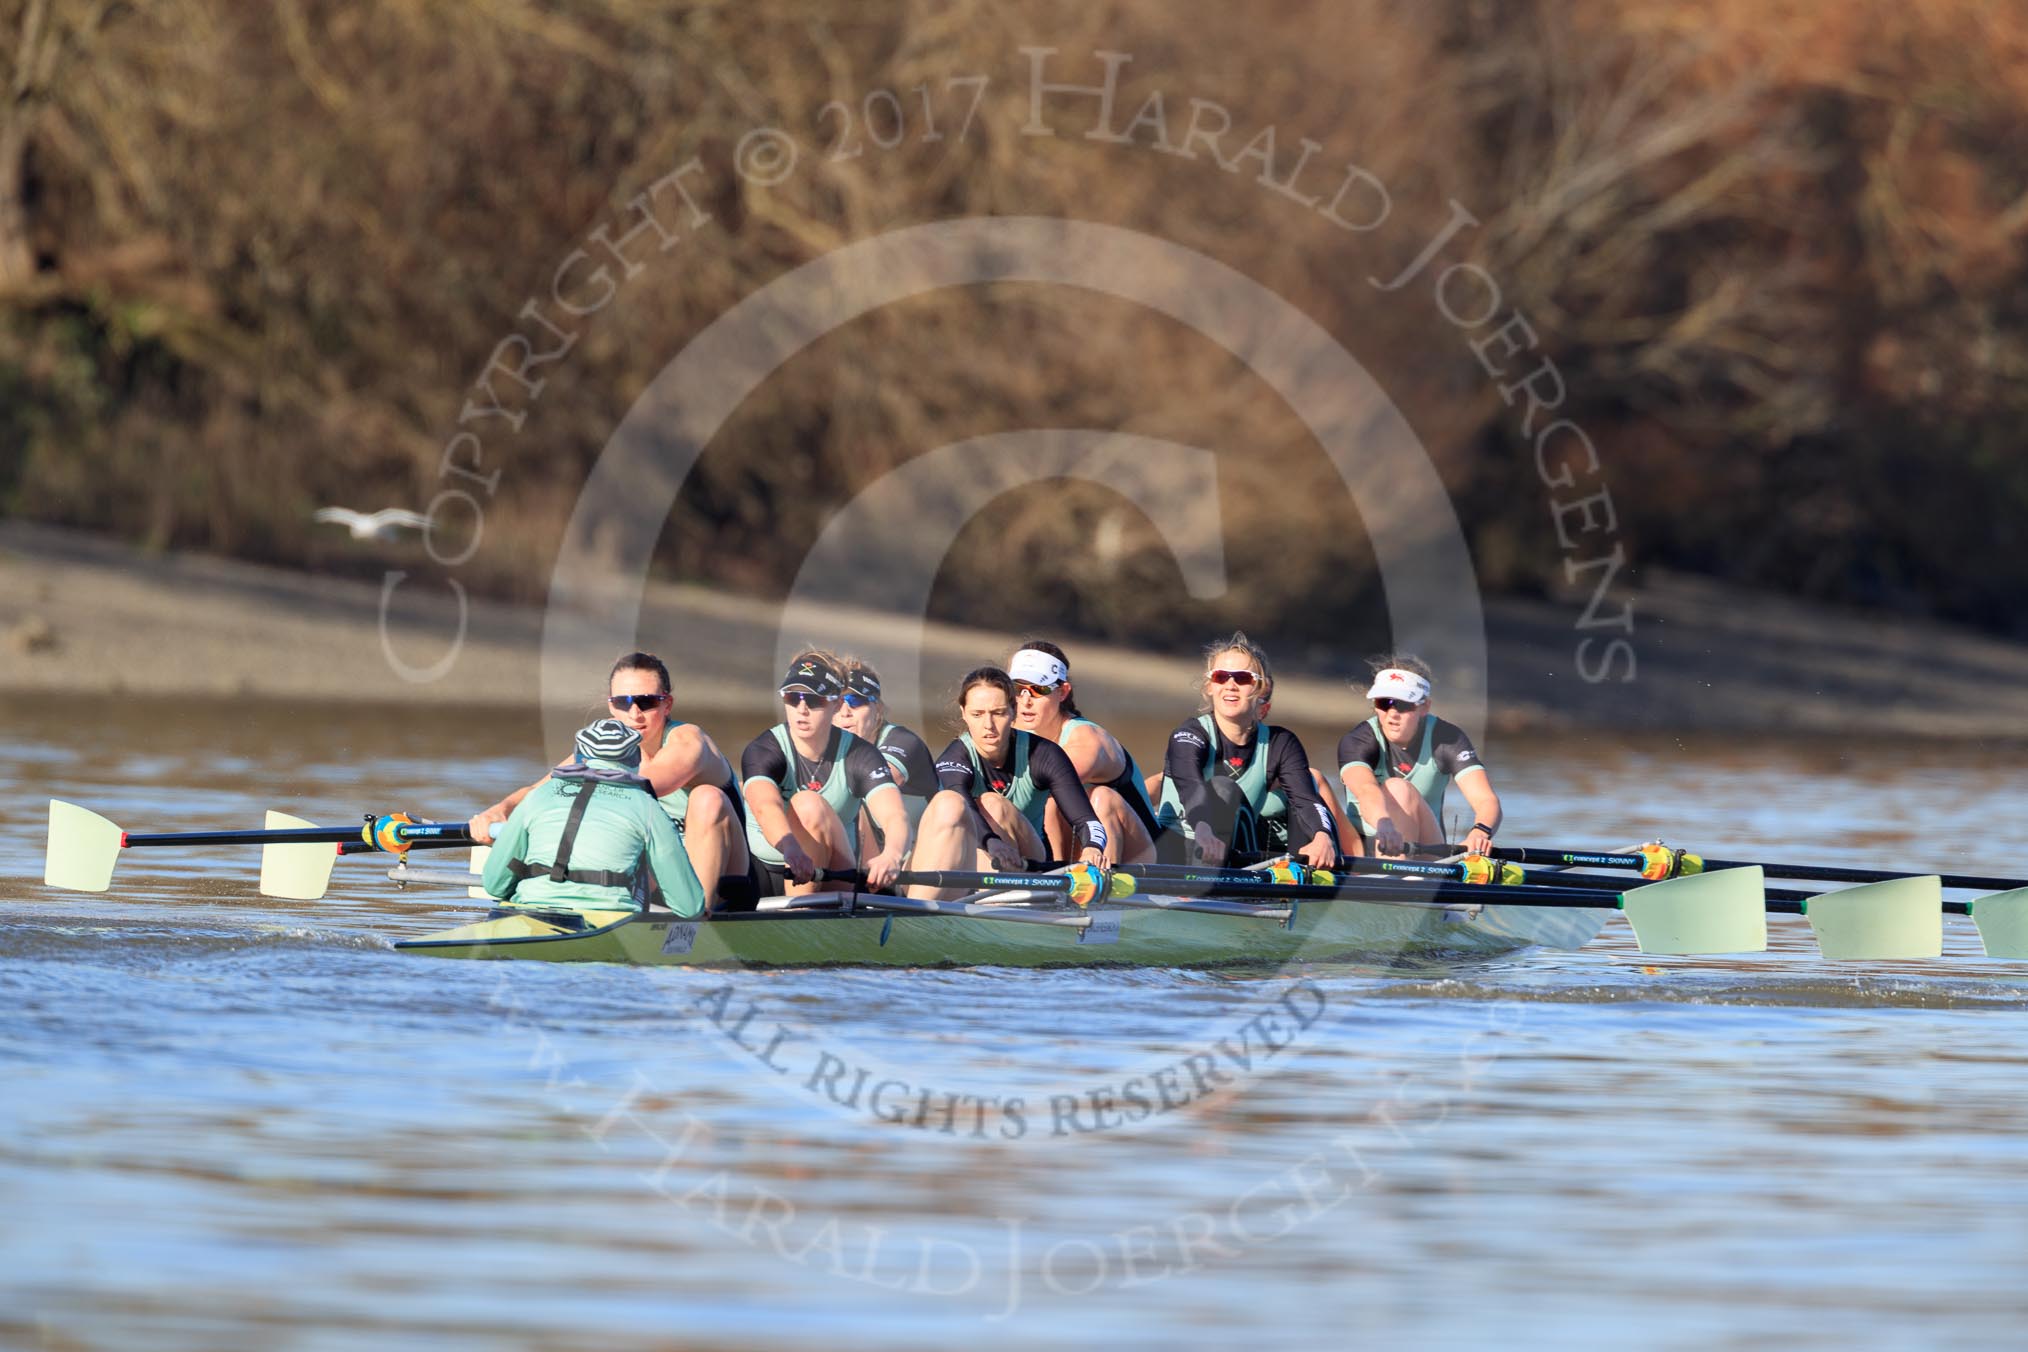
1398,763
997,781
805,778
1234,782
1046,706
690,775
862,714
604,844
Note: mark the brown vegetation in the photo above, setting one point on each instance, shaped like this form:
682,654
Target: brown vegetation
252,258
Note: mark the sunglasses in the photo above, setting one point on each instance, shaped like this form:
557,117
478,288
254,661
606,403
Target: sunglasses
1395,706
624,702
805,699
854,700
1242,679
1031,688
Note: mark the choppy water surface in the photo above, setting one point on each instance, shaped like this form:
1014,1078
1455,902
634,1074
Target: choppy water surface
232,1122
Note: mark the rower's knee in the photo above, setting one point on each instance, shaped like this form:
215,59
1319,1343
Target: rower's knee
1000,812
810,807
708,808
1112,808
945,811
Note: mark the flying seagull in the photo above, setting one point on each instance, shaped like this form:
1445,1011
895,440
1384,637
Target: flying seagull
385,524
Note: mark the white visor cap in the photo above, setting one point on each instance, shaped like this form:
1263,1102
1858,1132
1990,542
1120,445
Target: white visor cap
1394,683
1038,668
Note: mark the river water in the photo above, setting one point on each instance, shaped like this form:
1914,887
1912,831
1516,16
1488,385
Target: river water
233,1122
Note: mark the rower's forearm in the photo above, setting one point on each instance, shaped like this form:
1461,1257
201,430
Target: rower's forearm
894,830
1486,809
771,816
1373,809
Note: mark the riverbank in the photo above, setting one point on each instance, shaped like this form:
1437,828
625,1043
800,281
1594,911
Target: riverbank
82,614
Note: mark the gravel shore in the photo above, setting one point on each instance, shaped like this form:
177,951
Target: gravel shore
85,614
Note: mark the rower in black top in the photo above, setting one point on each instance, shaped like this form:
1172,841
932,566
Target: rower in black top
804,779
997,783
1396,766
863,713
1236,783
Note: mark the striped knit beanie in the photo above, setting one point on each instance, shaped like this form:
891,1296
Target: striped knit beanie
611,741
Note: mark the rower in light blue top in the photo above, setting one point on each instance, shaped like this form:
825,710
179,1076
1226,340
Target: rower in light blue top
592,837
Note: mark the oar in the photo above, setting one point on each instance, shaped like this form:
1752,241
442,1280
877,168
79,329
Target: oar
1898,918
1345,889
1080,883
1286,871
1473,869
1683,864
346,847
1724,911
84,847
1281,869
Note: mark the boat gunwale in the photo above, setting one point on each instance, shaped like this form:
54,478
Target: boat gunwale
480,946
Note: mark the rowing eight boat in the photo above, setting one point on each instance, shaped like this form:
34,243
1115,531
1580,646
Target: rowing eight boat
831,929
1167,916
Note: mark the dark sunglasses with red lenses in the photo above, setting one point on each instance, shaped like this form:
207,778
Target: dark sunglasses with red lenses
1396,706
804,699
1242,679
625,702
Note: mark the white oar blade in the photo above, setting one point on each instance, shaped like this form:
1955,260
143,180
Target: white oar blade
1900,918
295,872
2003,923
479,853
83,847
1724,911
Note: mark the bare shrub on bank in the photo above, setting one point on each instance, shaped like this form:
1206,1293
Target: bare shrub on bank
251,257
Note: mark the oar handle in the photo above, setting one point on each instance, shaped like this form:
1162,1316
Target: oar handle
1408,868
1540,854
1429,889
1034,882
1282,872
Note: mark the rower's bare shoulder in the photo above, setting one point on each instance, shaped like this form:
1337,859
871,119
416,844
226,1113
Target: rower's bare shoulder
686,749
1088,736
688,737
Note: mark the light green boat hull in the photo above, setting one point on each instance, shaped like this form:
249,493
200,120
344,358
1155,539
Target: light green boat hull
1321,931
